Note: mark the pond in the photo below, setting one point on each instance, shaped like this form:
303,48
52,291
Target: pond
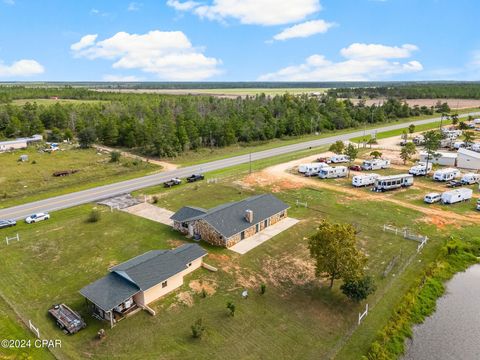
453,331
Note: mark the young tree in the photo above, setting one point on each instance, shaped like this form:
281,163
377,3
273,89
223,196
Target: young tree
454,118
198,328
115,156
231,307
405,135
358,289
333,247
263,288
431,144
376,154
408,151
462,125
352,152
468,137
411,128
87,137
338,147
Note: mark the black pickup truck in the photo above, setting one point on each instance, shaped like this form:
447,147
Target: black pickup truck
195,177
172,182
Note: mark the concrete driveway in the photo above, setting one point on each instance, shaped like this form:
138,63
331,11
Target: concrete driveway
252,242
151,212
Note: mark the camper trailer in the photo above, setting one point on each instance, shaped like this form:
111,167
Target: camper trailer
376,164
364,179
336,159
446,174
459,144
475,147
313,169
333,172
385,183
303,168
419,140
470,179
457,195
420,169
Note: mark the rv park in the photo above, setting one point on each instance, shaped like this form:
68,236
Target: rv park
79,255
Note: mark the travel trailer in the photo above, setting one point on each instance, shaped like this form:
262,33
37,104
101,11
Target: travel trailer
364,179
470,179
333,172
376,164
339,159
420,169
419,140
459,144
312,169
475,147
432,198
385,183
446,174
457,195
303,168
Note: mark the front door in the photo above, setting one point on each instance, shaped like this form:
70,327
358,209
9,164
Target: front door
265,223
257,228
242,235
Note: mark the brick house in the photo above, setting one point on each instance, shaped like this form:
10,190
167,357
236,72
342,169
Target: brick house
230,223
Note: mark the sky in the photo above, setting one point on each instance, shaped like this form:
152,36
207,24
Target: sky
239,40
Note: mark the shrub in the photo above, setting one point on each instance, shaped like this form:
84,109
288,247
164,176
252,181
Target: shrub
155,199
94,216
231,307
358,289
204,293
115,156
34,162
263,288
198,328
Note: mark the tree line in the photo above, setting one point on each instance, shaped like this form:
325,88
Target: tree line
166,125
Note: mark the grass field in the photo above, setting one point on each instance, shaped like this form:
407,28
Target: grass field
55,259
27,181
224,92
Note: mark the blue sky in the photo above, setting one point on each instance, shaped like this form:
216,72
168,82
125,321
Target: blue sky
233,40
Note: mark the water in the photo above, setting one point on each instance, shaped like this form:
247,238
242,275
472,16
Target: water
453,331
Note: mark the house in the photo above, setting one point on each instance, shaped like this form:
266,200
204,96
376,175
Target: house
136,283
443,158
20,143
230,223
468,159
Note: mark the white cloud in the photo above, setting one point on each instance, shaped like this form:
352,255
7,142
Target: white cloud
21,68
258,12
358,66
121,78
168,54
9,2
304,30
134,6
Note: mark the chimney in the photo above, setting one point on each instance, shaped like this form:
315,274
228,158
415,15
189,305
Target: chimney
249,216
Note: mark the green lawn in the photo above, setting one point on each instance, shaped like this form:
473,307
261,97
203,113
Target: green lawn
21,182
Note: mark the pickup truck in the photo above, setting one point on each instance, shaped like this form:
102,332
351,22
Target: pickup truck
172,182
7,223
195,177
454,183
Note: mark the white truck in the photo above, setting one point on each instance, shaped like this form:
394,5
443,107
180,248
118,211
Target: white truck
457,195
364,179
385,183
330,172
420,169
470,179
432,198
446,174
376,164
336,159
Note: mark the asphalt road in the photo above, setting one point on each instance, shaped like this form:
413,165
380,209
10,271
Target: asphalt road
106,191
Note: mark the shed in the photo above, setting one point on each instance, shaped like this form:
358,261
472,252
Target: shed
443,158
468,159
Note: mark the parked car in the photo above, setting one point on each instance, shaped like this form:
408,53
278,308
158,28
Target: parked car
195,177
37,217
355,167
323,160
454,183
432,198
172,182
7,223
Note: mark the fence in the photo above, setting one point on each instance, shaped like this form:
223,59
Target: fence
405,233
362,315
8,239
212,181
35,330
304,204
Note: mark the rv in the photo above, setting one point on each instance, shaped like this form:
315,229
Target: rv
470,179
446,174
457,195
339,159
420,169
313,169
375,164
364,179
432,198
333,172
419,140
475,147
451,134
303,168
385,183
459,144
478,204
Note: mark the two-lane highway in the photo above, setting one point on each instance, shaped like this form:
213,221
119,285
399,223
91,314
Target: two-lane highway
102,192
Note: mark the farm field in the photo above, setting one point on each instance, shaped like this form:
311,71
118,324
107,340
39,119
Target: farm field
33,179
315,321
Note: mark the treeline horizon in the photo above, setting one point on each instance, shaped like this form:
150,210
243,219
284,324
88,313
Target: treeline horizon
166,125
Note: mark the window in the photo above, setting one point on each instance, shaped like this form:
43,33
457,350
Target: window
164,284
190,264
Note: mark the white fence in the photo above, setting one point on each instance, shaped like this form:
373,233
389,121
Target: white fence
9,239
406,234
35,330
362,315
212,181
298,203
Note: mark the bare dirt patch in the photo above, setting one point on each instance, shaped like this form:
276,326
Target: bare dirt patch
185,298
289,270
198,286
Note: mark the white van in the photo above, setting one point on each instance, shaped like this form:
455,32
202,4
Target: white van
470,179
420,169
457,195
432,198
339,159
364,179
376,164
330,172
446,174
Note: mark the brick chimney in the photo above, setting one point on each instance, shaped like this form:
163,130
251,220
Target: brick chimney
249,216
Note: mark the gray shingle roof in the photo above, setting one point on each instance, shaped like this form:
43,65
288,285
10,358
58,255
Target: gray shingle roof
229,219
140,274
109,291
187,212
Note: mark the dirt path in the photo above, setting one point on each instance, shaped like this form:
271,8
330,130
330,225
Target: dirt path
278,178
165,165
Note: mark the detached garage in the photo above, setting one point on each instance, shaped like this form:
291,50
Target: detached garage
443,158
468,159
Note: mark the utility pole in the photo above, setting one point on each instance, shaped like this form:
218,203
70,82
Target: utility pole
250,163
